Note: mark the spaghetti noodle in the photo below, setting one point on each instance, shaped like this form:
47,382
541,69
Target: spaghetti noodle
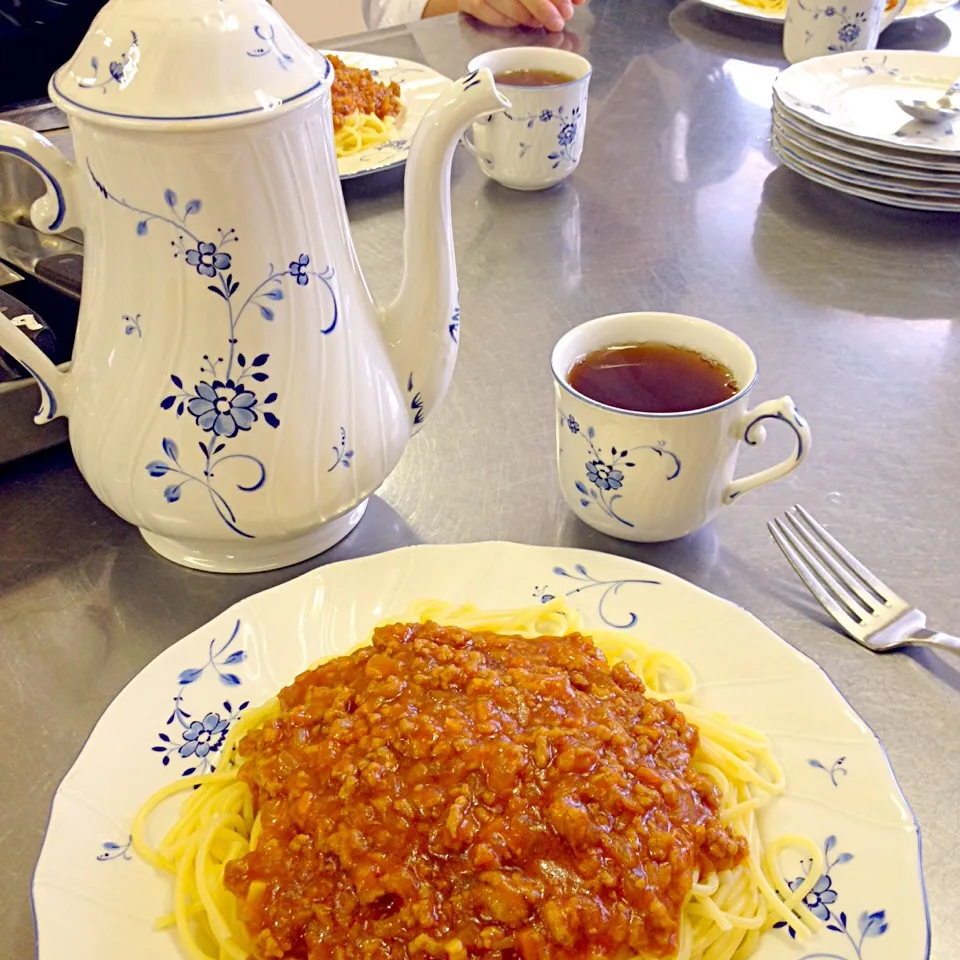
780,6
723,913
364,109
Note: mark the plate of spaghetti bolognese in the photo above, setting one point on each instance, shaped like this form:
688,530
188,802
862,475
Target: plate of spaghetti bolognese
776,10
378,103
482,752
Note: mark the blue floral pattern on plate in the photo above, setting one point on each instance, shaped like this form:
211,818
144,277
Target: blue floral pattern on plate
197,739
870,65
610,589
226,401
115,851
834,771
605,474
795,101
823,902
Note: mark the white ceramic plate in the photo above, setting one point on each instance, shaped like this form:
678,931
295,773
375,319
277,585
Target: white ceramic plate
869,156
790,159
913,10
855,94
94,899
825,162
419,87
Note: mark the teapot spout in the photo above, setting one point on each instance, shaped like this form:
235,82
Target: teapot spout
422,325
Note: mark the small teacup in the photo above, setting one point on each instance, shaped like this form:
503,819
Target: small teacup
650,477
537,142
815,28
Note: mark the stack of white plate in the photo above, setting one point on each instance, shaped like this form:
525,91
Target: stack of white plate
836,122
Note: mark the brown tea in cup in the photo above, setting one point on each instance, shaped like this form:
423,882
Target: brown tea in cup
532,78
652,378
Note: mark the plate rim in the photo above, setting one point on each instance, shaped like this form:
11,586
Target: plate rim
847,169
839,60
738,9
868,151
640,565
861,193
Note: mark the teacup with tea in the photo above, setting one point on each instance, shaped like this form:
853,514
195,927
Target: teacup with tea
538,140
651,412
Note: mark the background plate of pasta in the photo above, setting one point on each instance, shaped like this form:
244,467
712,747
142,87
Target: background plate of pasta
481,752
776,9
378,103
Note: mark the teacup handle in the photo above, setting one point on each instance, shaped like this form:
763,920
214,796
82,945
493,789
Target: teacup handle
481,155
752,432
892,14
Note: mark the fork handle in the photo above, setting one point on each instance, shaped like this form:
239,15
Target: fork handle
933,638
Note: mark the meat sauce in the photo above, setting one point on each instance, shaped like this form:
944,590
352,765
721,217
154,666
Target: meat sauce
457,795
356,89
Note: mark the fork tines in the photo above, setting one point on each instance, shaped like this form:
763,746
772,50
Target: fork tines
842,585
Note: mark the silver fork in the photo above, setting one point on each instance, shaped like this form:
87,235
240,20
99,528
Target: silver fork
866,608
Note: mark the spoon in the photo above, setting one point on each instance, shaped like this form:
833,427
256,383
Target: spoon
933,111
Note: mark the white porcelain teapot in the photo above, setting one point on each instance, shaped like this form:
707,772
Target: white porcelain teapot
234,390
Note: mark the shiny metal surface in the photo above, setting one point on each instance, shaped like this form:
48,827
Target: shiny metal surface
677,205
930,111
934,111
24,247
7,275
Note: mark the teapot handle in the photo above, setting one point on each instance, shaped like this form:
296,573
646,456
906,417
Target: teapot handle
55,211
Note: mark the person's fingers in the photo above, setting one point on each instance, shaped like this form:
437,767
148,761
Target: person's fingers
515,10
483,12
551,14
547,14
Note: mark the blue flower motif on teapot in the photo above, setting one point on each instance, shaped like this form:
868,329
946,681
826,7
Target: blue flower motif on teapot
206,259
225,403
223,408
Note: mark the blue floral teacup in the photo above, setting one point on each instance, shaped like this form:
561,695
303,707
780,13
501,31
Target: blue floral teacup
650,477
815,28
537,141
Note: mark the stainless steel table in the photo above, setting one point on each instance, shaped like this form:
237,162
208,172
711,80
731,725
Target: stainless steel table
678,205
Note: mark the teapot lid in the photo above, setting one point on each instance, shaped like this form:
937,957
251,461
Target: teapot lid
188,61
